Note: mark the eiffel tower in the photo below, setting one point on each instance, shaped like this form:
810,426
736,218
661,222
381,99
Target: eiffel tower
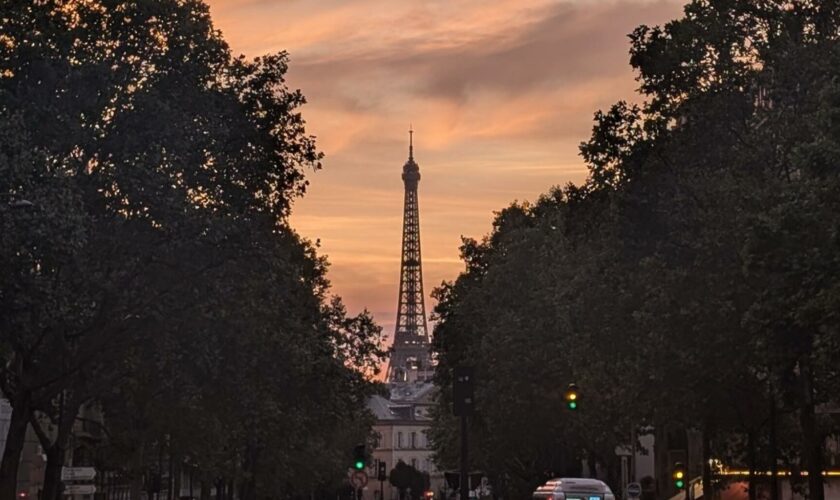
411,359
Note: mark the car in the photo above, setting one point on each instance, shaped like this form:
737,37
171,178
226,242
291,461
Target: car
574,488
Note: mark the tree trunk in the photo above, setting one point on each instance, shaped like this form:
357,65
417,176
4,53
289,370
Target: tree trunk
205,489
220,489
56,450
21,411
811,442
136,487
52,474
247,489
175,469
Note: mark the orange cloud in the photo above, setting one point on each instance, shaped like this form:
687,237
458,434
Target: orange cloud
500,98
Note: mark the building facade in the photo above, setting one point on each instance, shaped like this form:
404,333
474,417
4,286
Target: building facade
402,423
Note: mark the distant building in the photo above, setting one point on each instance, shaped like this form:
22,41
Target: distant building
402,423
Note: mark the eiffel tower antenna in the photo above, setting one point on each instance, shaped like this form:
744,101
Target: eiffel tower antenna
411,358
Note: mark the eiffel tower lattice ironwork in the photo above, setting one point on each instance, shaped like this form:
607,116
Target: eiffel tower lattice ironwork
410,358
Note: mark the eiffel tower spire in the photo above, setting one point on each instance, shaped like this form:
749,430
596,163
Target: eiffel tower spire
410,356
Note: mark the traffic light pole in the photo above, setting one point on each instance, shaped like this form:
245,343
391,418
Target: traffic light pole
688,486
465,490
462,399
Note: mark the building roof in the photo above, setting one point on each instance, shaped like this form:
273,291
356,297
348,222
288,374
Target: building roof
408,403
380,407
416,393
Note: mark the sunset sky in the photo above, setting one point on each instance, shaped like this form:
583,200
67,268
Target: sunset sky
500,94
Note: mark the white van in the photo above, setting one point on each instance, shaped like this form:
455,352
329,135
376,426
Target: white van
573,488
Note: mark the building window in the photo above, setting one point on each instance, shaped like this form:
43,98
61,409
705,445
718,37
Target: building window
413,440
399,440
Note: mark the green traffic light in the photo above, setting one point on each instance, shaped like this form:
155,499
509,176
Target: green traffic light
359,465
572,405
679,484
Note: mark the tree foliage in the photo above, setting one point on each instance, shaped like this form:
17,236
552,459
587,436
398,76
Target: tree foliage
690,282
410,482
154,280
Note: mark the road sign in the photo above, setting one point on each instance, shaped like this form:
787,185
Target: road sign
623,451
79,489
634,490
359,479
77,473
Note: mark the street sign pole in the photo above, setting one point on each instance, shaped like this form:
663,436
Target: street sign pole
625,475
381,474
634,491
358,480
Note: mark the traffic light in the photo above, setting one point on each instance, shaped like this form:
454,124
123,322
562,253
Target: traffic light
382,471
359,457
678,475
572,397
